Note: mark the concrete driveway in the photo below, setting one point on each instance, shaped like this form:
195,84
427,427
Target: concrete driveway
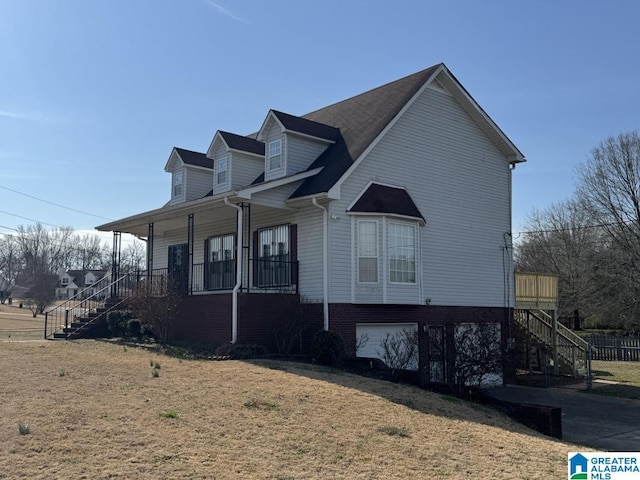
596,421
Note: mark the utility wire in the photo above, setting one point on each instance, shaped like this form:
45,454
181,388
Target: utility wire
582,227
31,220
55,204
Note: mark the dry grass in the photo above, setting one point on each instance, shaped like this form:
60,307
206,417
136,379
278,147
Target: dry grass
626,376
94,411
19,324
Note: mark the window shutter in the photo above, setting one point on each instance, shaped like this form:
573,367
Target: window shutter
255,258
206,264
293,252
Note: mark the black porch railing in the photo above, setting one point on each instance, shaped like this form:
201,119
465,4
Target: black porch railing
267,274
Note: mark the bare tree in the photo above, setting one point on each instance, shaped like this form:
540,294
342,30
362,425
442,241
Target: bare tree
400,351
560,240
10,263
134,257
479,354
156,304
609,187
91,252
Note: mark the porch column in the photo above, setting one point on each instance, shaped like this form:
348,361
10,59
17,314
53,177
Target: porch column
115,263
190,229
150,251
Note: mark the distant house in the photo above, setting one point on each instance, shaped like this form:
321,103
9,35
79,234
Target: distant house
387,211
73,282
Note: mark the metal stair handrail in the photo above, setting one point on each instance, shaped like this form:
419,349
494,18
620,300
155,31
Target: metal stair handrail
59,319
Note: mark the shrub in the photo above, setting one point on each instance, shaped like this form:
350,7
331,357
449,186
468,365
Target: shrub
118,323
23,428
240,351
400,351
169,414
328,348
134,328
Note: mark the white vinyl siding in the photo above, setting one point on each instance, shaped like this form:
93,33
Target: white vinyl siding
198,182
244,169
459,181
301,152
367,251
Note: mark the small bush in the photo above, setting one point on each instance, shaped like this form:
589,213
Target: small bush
118,323
134,328
328,348
23,428
155,373
169,414
240,351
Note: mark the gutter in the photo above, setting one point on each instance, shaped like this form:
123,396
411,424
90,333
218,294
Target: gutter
325,262
234,303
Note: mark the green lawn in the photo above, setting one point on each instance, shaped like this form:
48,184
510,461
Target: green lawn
625,374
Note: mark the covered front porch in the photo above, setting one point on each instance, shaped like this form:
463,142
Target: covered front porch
215,246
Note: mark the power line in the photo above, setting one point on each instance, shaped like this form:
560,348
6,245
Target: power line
31,220
568,229
55,204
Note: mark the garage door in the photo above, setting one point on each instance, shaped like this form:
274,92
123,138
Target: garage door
370,337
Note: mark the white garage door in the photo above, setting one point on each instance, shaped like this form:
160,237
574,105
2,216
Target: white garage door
370,336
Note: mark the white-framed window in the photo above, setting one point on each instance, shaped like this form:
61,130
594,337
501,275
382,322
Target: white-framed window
273,266
178,178
222,248
274,155
367,251
65,280
221,170
401,252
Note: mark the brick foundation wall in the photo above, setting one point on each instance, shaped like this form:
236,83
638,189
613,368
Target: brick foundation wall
204,319
343,318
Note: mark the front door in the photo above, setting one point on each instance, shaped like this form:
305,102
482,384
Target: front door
179,266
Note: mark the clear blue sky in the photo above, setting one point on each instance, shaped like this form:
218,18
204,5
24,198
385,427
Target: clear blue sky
94,94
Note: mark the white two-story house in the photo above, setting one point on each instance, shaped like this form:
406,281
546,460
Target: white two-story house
389,210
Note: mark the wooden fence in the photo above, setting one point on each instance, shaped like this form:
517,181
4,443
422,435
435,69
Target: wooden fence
611,347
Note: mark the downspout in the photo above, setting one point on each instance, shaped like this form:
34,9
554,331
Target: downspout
234,302
325,262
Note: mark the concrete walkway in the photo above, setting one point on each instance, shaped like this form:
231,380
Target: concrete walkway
596,421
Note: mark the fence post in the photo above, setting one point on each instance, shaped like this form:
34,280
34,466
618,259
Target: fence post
556,365
66,324
46,318
587,354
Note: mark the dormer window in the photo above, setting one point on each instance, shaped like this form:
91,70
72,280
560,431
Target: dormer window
177,184
65,280
274,155
221,170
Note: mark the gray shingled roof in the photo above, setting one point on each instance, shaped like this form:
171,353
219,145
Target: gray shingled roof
385,199
244,144
308,127
197,159
360,120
